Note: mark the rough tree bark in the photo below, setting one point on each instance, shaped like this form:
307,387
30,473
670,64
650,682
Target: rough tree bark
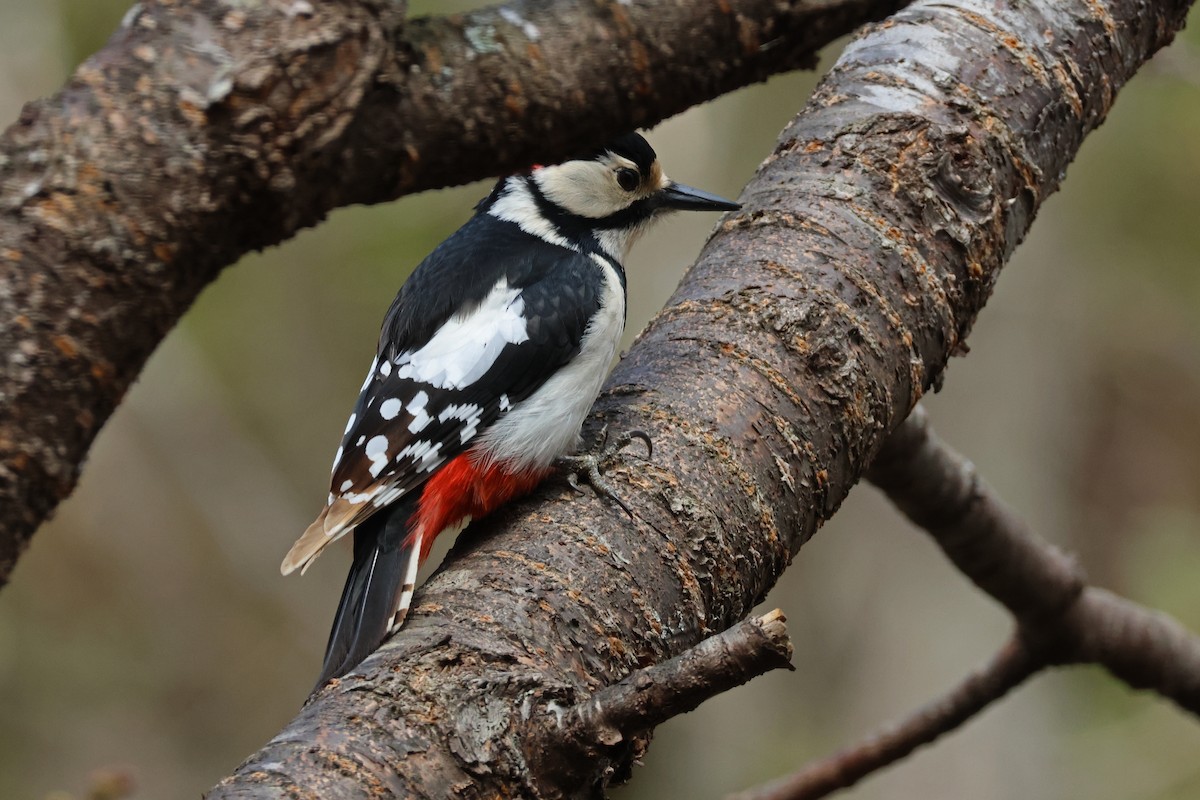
206,129
812,322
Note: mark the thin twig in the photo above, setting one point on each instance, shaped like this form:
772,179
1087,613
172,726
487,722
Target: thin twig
1145,648
940,491
648,697
1014,662
1061,620
1044,588
651,696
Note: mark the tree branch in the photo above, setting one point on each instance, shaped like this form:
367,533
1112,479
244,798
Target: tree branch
1144,648
1044,588
817,316
650,696
203,131
940,491
1060,619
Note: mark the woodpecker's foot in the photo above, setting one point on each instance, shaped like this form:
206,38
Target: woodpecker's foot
588,465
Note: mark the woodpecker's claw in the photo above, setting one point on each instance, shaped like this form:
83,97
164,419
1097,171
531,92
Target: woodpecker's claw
588,465
629,436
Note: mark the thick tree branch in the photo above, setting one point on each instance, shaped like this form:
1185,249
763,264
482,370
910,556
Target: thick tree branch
805,333
204,130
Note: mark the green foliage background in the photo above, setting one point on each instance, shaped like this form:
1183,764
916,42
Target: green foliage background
148,633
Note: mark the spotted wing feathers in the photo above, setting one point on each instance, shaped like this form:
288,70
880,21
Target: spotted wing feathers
402,430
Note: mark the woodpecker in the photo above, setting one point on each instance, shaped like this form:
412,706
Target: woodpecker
488,360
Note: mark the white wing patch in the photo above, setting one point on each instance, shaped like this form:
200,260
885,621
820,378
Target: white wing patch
469,413
367,382
468,344
420,421
416,407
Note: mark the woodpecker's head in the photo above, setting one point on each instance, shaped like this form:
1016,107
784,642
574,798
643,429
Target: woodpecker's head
610,195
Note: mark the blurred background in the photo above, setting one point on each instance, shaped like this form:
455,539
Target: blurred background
147,636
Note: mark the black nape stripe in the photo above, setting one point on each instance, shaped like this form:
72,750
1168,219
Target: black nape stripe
582,229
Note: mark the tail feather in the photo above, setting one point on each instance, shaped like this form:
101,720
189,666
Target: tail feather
414,554
377,594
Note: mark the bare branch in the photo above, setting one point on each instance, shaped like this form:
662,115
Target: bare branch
1007,669
1044,588
940,491
1060,619
1147,649
648,697
205,130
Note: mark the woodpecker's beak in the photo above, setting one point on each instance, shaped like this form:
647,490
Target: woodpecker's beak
687,198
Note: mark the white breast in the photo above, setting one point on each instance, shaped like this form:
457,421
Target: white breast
546,424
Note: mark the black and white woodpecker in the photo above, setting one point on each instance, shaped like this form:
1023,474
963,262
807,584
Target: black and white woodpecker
489,358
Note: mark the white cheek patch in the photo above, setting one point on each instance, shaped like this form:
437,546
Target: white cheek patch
583,188
467,345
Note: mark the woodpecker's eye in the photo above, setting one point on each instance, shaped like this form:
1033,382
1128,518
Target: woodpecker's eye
628,179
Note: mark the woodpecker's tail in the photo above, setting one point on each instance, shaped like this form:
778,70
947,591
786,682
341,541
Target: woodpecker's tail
378,590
